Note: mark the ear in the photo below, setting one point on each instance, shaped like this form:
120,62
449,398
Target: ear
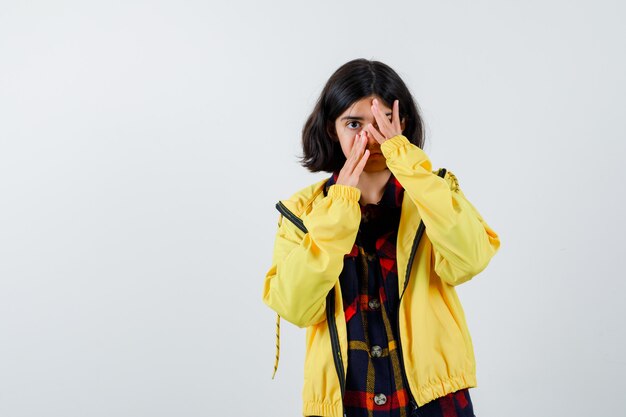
402,124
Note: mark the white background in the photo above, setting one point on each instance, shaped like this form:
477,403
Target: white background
145,144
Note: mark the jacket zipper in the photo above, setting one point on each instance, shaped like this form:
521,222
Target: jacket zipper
334,340
330,311
288,214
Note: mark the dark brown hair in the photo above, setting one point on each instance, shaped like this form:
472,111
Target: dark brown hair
351,82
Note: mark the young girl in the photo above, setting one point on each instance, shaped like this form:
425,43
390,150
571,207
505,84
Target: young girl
368,259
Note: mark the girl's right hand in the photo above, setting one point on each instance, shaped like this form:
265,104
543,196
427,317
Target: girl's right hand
351,171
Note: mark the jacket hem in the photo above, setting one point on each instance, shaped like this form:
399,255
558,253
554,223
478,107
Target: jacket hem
435,390
316,408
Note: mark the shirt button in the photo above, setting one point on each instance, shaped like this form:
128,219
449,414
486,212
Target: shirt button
380,399
376,352
374,304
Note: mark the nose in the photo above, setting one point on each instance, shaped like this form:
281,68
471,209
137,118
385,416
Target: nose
372,143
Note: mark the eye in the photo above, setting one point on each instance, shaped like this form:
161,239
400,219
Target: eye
350,123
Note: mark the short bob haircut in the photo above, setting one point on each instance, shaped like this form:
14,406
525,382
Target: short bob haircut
351,82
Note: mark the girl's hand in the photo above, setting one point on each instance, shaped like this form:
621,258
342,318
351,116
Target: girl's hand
387,129
352,168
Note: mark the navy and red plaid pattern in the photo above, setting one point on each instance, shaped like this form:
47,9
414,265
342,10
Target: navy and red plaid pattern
375,385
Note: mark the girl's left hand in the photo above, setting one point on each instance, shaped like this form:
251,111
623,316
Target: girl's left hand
387,129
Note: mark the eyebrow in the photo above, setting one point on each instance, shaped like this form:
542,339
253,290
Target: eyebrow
360,118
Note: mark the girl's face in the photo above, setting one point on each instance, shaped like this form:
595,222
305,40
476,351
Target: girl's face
352,121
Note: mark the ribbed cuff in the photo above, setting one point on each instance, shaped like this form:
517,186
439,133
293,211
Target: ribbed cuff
344,191
393,143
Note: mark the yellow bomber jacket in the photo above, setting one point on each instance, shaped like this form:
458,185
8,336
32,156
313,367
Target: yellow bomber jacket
442,242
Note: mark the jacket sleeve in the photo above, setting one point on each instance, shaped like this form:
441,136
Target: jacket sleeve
306,266
463,243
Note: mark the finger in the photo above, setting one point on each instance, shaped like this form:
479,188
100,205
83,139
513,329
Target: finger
395,115
383,121
355,145
361,140
362,144
356,151
354,142
372,131
359,167
376,113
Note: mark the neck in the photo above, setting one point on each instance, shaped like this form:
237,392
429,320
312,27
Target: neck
372,185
